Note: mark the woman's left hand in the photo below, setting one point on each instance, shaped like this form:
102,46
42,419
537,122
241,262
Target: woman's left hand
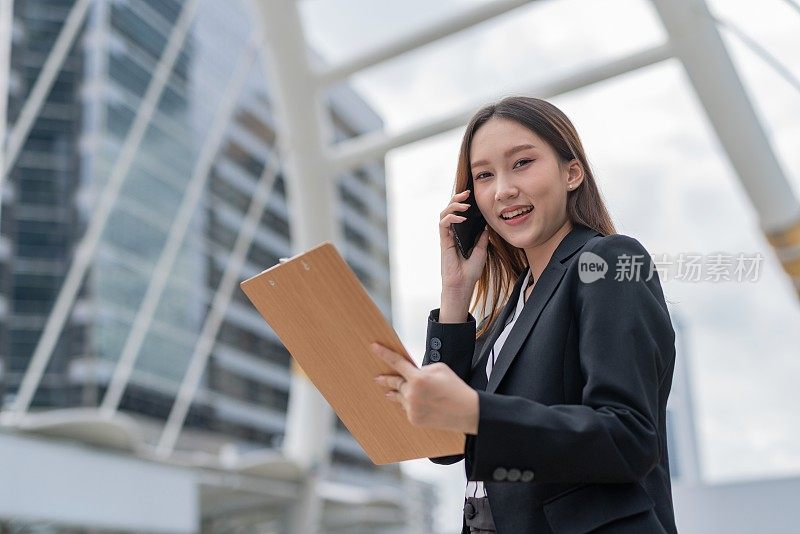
433,396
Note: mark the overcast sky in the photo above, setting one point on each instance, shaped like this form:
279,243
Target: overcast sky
658,163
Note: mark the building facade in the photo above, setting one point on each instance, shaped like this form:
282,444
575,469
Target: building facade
51,194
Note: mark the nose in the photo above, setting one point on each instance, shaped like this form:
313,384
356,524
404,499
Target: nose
505,188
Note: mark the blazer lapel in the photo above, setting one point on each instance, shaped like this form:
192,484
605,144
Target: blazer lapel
542,291
496,329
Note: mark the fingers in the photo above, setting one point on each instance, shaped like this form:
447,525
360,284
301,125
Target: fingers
456,203
395,383
394,396
483,240
460,196
454,206
448,217
452,218
396,361
390,381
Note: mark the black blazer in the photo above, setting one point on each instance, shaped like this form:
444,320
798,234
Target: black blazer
572,431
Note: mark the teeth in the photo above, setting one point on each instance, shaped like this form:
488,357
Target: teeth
512,214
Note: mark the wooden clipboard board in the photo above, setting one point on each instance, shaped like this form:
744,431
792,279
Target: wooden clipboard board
322,314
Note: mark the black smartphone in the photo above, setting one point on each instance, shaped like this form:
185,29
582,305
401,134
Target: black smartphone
467,232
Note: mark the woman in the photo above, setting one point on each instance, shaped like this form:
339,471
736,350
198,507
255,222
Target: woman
561,392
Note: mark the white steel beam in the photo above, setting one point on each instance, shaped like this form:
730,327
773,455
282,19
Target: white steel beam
219,306
355,152
6,26
794,5
761,52
312,196
418,39
177,233
697,42
44,82
88,244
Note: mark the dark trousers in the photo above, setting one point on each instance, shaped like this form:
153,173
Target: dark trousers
478,516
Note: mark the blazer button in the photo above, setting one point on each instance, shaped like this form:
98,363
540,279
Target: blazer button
527,475
514,475
435,356
469,510
436,343
500,473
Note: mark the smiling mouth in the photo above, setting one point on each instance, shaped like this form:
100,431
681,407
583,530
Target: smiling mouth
516,213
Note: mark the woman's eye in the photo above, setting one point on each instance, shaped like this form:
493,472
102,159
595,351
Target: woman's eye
524,161
481,175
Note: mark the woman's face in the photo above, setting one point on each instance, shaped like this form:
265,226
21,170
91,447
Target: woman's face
513,168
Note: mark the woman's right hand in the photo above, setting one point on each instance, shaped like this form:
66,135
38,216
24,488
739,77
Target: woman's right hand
459,275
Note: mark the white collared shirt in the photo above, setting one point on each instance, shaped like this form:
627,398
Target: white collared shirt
475,488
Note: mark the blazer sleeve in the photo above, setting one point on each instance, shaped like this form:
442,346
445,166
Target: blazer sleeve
625,341
454,345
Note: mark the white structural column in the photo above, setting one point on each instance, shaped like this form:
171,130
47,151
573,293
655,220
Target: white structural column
6,25
6,18
88,244
698,44
177,233
311,192
219,306
44,82
681,409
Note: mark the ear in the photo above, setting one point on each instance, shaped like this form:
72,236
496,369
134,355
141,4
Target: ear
574,174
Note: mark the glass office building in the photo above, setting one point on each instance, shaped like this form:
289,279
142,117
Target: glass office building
52,192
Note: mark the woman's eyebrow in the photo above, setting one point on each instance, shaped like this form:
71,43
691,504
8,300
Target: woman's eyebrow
508,153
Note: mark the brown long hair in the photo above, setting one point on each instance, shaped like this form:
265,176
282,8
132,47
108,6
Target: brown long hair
585,204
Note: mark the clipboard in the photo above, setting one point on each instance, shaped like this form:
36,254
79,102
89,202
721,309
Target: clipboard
324,317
